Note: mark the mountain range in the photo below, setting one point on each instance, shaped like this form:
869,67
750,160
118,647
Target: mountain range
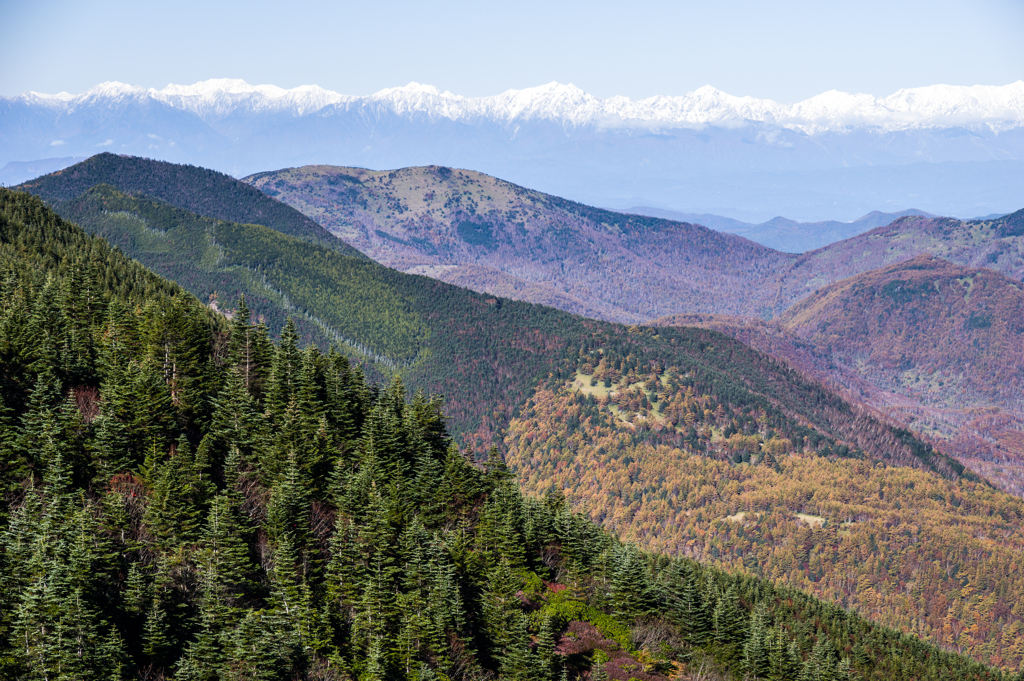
485,354
943,149
481,232
492,236
682,439
184,496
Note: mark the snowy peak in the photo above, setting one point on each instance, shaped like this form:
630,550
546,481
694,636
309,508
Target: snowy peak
221,97
416,98
999,107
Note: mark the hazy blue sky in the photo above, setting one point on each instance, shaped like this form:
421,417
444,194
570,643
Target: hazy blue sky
784,51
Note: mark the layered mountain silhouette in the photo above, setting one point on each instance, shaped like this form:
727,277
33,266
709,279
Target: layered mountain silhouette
947,150
685,439
783,234
492,235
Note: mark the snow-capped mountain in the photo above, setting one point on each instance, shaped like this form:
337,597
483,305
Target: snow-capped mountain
934,106
830,156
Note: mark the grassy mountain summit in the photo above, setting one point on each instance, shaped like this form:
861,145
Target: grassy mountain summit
562,393
488,234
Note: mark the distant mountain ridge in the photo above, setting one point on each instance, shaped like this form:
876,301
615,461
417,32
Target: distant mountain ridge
946,150
16,172
481,232
993,244
783,234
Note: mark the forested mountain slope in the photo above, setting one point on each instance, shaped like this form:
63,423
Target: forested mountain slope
645,448
187,500
199,190
490,356
491,235
333,298
937,346
485,354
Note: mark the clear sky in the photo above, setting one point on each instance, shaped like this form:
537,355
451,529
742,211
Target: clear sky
785,51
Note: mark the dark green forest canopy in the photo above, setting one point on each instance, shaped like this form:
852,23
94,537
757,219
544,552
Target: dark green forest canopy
333,297
183,498
199,190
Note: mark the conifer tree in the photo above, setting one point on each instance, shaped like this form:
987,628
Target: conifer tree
158,638
500,606
180,496
730,622
235,422
288,511
632,595
120,341
685,603
285,369
517,662
547,663
244,349
757,649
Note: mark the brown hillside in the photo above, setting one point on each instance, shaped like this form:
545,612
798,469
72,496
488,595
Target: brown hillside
931,557
931,344
993,244
925,317
529,245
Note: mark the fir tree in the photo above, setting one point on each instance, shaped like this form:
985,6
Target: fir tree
730,621
631,590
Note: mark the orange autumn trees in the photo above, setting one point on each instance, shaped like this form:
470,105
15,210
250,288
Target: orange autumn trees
937,558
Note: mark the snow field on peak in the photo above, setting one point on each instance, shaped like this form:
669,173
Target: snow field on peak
932,106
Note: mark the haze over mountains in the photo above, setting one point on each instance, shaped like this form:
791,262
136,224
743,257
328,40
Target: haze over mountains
942,149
